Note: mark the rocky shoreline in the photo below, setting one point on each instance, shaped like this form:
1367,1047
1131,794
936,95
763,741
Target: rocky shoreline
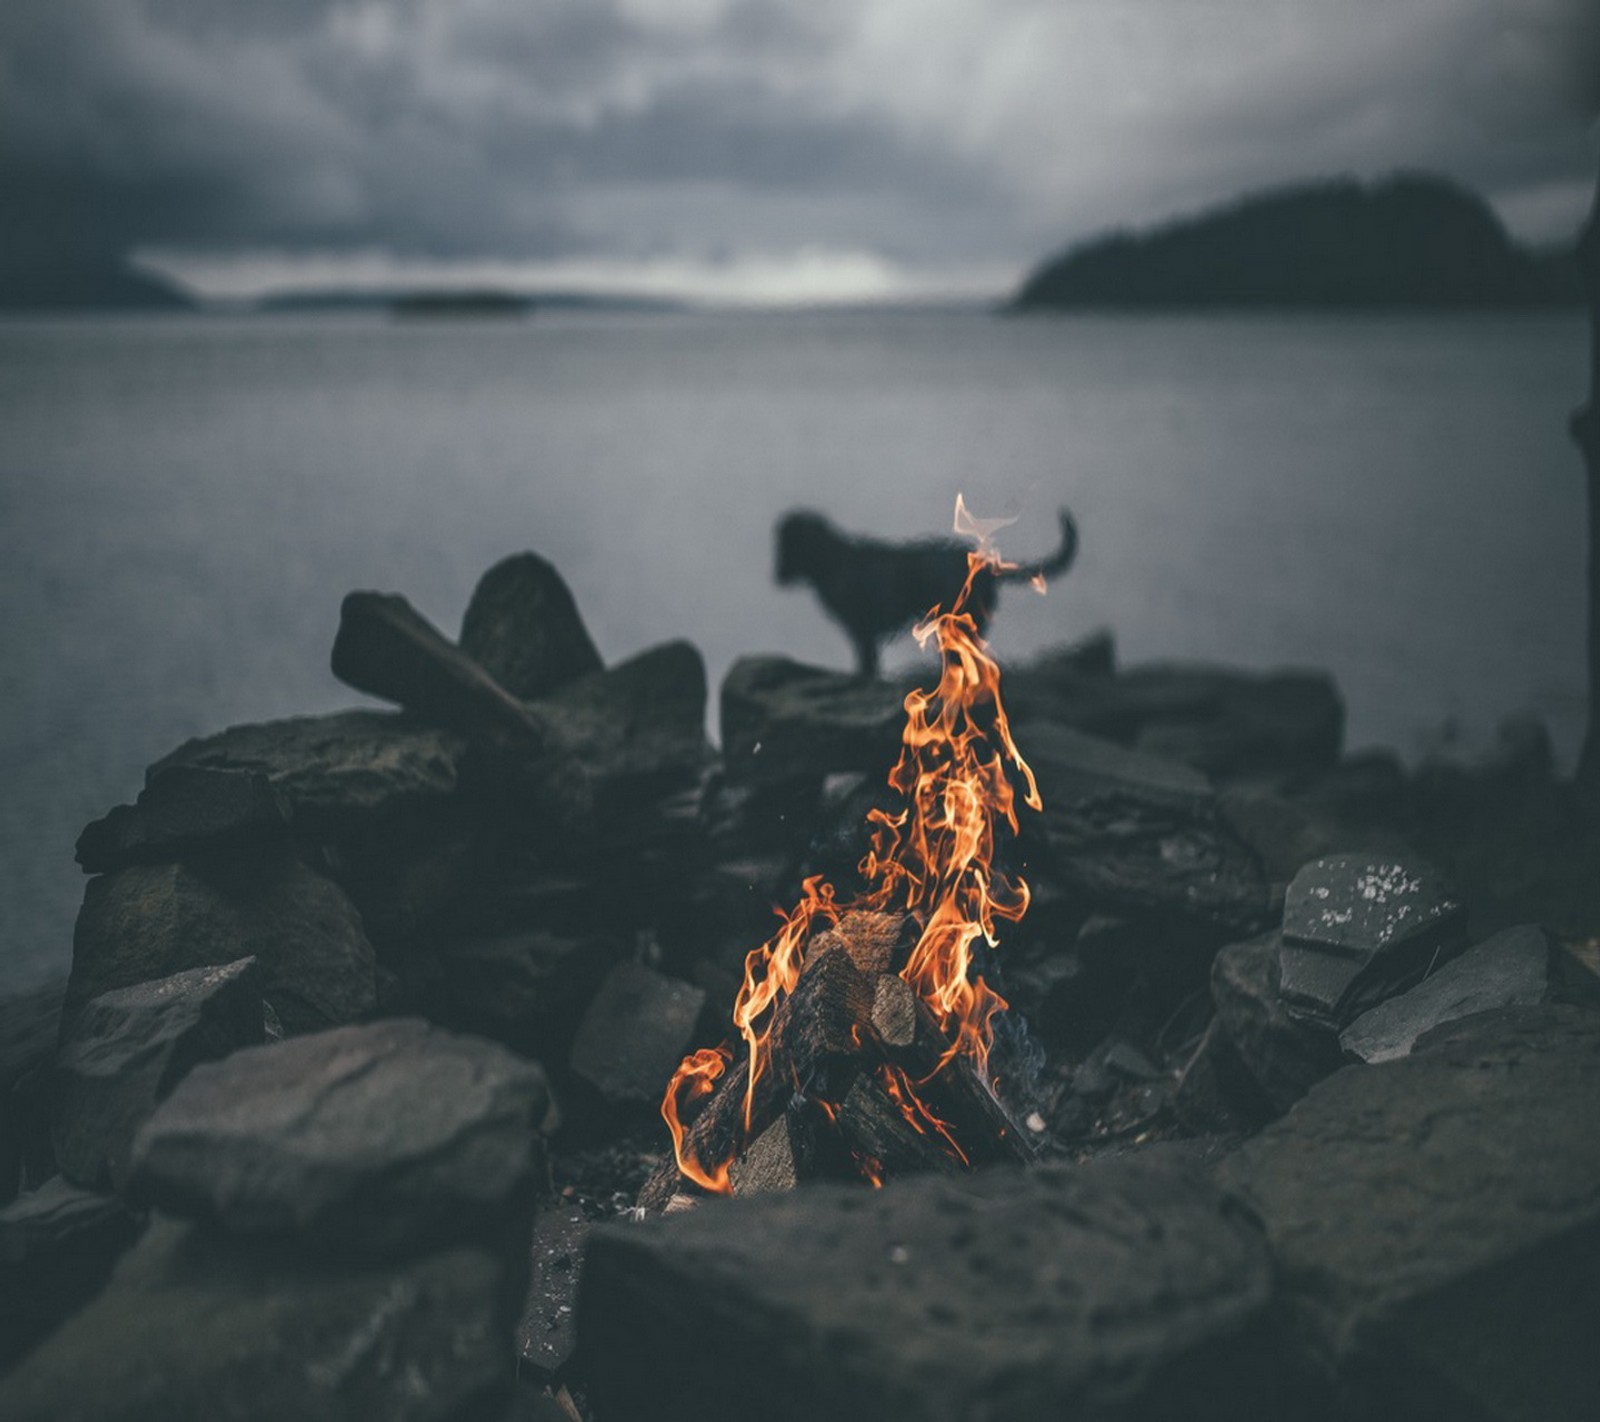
347,1102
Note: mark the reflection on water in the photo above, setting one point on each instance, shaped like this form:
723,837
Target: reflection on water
184,501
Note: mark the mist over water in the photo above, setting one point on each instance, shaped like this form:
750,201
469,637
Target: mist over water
184,501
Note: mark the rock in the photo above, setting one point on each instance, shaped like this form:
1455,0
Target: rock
336,771
1216,1093
1514,968
523,628
1436,1223
57,1245
621,749
527,990
1120,1292
1140,835
1283,835
782,719
388,649
188,810
125,1051
149,921
1284,1055
30,1023
1359,928
637,1030
548,1333
366,1140
201,1328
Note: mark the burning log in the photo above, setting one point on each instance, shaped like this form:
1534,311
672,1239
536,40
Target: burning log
894,1011
881,1138
780,1158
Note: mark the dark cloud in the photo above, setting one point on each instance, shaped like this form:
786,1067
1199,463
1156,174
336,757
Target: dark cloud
929,130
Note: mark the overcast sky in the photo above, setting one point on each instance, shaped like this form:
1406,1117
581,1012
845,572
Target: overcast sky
780,148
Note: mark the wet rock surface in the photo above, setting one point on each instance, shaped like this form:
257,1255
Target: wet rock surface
1121,1293
196,1327
1436,1221
365,1139
149,921
128,1048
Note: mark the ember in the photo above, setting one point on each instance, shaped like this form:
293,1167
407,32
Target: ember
871,1021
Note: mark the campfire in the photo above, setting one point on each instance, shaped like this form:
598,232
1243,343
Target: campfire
866,1027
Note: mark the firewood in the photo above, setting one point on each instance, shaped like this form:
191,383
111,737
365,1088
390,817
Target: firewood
826,1019
875,1127
894,1010
876,942
776,1161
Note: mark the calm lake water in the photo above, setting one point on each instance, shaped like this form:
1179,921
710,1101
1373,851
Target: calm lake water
183,502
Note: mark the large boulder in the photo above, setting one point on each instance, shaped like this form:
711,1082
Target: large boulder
337,771
366,1140
1436,1221
149,921
782,719
388,649
1118,1293
1358,928
125,1051
523,628
57,1245
186,811
1142,836
200,1328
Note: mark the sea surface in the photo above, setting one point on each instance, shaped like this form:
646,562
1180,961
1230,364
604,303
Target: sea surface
184,501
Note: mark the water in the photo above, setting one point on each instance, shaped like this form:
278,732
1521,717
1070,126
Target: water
183,502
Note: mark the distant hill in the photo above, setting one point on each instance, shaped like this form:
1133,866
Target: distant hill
103,285
427,302
1408,241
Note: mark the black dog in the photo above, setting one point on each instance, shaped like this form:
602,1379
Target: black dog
874,589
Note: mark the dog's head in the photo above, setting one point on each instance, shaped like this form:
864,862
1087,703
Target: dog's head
803,541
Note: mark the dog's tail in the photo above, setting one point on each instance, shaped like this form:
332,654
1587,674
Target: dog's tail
1057,563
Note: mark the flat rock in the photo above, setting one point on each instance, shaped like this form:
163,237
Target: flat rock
149,921
1358,928
386,648
1284,1056
522,626
126,1050
1514,968
364,1139
351,767
57,1245
1436,1221
1122,1292
187,810
782,719
548,1333
636,1032
202,1328
1140,835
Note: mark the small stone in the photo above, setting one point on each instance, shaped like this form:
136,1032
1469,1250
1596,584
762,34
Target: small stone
635,1033
127,1049
522,626
547,1334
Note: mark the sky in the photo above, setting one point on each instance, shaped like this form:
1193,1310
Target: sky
744,150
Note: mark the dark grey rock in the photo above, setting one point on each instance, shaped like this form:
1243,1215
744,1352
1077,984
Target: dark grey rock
782,719
523,628
1436,1221
1514,968
125,1051
527,990
1283,1054
1358,928
149,921
1216,1093
1140,835
1283,835
198,1327
635,1033
548,1333
185,811
349,768
30,1023
1120,1292
363,1139
386,648
57,1245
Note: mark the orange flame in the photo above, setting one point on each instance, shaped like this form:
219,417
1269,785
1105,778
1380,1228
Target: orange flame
932,860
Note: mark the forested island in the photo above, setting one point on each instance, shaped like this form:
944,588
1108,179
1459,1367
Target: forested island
1406,241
